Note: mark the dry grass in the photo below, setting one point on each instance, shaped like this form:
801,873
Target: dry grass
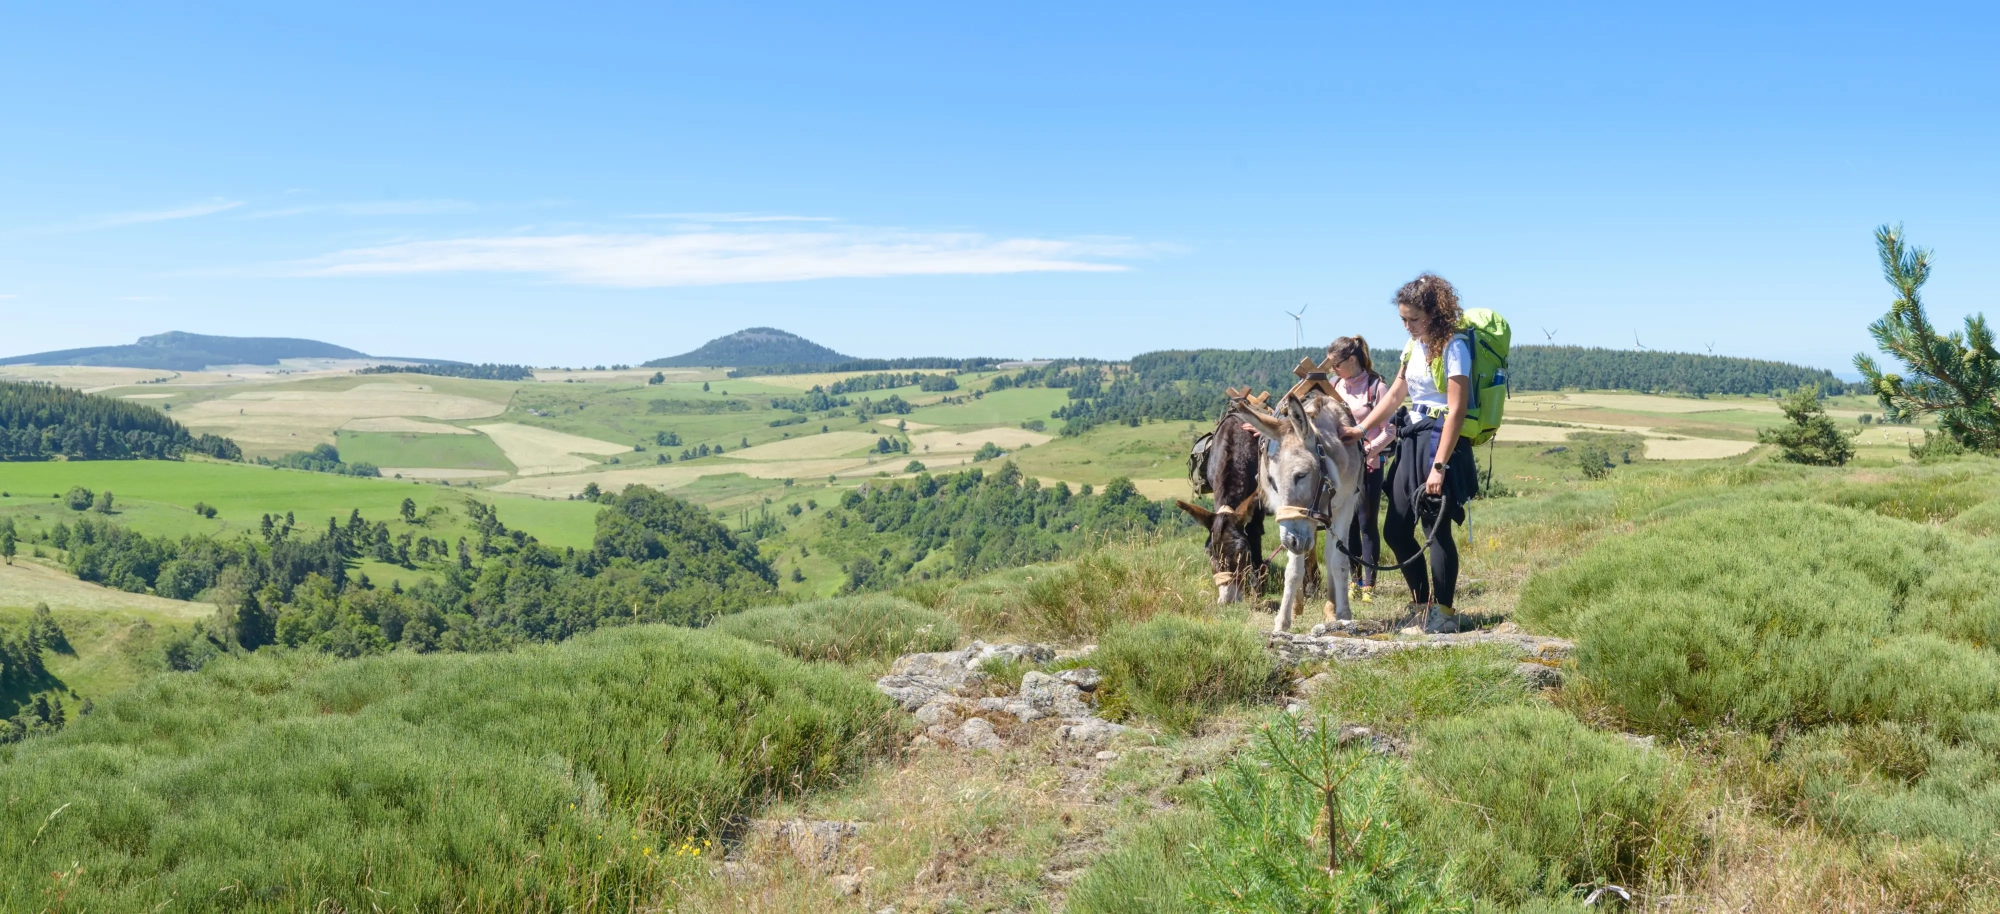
1694,448
440,473
809,446
401,424
948,830
1004,437
26,583
538,451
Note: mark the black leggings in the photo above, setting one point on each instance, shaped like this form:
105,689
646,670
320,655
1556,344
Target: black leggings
1404,529
1365,537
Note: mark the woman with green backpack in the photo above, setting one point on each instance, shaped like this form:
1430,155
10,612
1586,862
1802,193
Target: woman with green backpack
1433,474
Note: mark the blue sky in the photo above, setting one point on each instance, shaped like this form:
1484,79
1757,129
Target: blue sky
575,185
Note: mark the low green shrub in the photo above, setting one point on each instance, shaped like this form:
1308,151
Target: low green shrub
551,778
1408,688
1769,613
1258,838
844,629
1177,670
1528,802
1113,584
1148,870
1900,783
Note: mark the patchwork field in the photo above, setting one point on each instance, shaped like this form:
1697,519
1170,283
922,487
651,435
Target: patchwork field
157,497
466,450
538,451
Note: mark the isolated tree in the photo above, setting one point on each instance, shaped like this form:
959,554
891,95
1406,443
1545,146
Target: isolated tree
103,505
79,499
409,510
1811,438
1955,376
7,549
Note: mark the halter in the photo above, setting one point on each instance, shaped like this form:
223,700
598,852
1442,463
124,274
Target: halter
1328,487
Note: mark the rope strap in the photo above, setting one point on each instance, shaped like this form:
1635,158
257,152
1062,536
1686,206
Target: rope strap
1225,509
1293,512
1225,578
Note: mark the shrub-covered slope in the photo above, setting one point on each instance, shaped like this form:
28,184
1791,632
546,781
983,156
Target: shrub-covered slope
551,778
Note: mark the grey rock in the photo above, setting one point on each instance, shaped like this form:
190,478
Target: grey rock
1318,682
815,843
976,733
1107,756
940,709
993,704
1089,730
1083,678
1022,710
980,653
1539,676
1053,696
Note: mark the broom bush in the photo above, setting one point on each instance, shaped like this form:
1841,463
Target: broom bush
580,776
844,629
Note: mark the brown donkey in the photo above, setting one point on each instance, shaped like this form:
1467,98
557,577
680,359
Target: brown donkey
1236,526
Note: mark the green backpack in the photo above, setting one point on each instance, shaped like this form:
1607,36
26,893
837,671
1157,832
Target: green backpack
1488,335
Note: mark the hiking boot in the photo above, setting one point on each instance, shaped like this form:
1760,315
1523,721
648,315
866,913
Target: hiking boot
1441,621
1353,591
1367,594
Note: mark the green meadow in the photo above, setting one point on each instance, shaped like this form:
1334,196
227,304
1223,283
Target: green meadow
406,449
158,497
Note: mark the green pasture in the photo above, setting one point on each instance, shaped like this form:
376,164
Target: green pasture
406,449
1153,450
1004,407
158,497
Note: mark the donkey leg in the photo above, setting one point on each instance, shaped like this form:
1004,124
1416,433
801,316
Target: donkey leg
1337,570
1295,587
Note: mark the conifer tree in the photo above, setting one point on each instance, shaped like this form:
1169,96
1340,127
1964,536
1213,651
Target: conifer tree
1955,376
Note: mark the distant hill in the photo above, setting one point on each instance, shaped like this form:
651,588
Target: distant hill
754,348
178,351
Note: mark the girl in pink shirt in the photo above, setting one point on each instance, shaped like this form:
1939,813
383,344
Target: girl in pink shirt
1361,388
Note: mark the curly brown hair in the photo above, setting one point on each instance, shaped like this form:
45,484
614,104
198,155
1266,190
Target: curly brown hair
1434,298
1356,348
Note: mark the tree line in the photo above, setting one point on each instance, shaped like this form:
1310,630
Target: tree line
1188,385
42,421
654,558
955,365
485,371
323,458
971,522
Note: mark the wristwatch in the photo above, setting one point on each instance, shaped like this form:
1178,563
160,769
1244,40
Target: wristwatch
1438,467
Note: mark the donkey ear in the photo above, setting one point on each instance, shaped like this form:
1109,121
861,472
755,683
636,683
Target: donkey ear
1266,424
1199,513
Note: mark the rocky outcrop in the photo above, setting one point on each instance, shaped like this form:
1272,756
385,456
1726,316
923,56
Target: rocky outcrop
941,690
1293,649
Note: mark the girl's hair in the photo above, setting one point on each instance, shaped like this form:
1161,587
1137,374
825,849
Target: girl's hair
1437,301
1356,348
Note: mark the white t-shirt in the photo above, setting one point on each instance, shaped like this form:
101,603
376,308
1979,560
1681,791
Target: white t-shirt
1457,364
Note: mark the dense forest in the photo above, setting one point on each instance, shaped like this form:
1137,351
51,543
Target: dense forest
971,522
934,364
485,371
1188,384
41,421
654,559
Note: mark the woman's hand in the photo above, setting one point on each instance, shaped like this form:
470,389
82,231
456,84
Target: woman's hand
1352,433
1435,484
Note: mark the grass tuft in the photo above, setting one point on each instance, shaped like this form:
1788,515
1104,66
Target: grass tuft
844,629
1177,670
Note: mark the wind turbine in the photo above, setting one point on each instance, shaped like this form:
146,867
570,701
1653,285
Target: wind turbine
1551,334
1298,327
1711,349
1635,341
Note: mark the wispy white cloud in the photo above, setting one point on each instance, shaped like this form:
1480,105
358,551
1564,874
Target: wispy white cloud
374,208
721,258
194,210
9,295
731,217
